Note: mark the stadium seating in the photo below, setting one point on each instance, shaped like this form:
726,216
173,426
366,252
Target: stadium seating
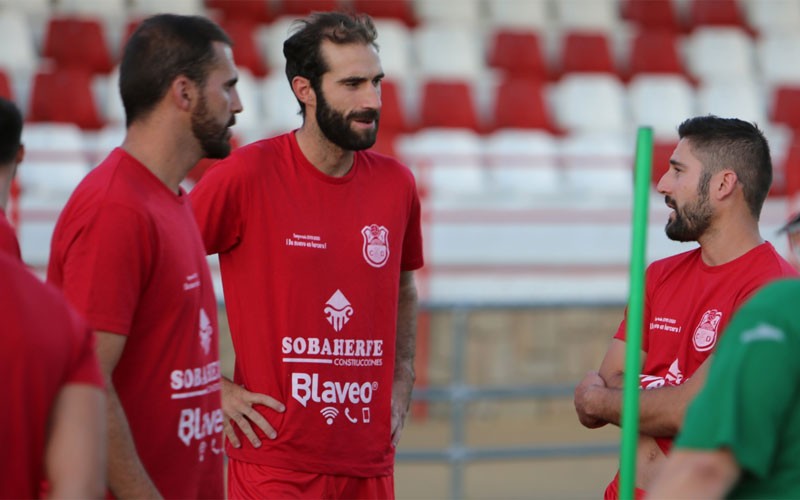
523,164
586,53
716,13
659,15
17,50
521,103
519,14
590,102
73,42
6,90
705,50
448,51
394,45
246,51
399,10
742,99
777,58
257,11
785,106
462,12
517,53
574,15
660,101
655,51
448,104
774,16
64,96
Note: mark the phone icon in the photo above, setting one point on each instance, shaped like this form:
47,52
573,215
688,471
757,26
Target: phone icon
347,414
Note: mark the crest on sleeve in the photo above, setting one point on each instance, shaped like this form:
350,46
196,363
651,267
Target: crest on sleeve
376,245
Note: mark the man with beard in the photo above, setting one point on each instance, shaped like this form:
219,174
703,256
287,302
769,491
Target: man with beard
127,253
719,177
317,240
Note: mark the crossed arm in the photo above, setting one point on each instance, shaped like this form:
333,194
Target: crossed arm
598,397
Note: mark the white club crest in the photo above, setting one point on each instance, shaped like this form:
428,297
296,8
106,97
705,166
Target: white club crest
376,245
206,331
705,335
338,310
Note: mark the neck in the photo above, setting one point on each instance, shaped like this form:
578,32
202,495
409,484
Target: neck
168,154
723,243
326,156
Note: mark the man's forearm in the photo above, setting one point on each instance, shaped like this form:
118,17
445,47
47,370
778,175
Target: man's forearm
406,339
127,477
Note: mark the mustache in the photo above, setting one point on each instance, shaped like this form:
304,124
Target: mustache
670,202
365,115
232,121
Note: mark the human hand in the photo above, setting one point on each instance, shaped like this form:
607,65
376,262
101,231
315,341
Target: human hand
584,392
237,406
399,413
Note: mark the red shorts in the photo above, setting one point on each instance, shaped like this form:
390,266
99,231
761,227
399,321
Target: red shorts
612,490
246,480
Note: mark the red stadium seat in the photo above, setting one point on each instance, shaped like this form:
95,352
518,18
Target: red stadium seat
716,13
245,49
517,53
791,169
257,11
520,103
64,96
78,43
586,53
402,10
448,104
655,52
5,86
651,14
303,7
662,152
393,116
786,106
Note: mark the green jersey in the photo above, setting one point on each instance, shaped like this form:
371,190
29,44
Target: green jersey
751,400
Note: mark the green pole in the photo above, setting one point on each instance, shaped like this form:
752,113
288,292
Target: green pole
635,320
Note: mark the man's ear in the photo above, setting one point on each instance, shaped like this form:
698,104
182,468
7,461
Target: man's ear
301,86
183,93
723,183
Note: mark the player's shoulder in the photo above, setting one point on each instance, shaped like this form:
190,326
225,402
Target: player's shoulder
250,159
673,261
385,165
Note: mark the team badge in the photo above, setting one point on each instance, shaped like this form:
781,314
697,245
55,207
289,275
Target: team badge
376,245
705,335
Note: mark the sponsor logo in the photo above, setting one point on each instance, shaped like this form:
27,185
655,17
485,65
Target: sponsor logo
330,413
197,424
206,331
705,335
763,333
376,245
307,387
674,376
338,310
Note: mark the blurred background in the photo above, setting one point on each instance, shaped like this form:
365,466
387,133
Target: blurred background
519,119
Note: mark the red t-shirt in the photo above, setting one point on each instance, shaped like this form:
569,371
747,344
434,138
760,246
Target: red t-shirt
8,237
310,268
127,253
687,306
44,346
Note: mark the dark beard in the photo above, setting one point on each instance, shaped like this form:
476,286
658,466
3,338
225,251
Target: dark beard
212,136
691,221
336,127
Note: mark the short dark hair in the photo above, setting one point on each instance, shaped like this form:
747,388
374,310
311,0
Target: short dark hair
302,48
721,143
162,48
10,131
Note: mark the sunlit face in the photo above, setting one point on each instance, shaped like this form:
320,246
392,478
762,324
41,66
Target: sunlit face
686,191
218,104
349,98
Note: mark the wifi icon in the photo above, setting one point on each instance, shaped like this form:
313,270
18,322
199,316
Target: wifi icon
329,412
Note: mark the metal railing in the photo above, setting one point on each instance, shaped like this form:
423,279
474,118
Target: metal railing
458,394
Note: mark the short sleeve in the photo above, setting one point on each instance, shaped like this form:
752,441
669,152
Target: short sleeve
412,240
745,398
84,367
217,204
108,266
622,333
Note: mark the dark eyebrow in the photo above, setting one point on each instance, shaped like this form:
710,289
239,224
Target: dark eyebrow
676,163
